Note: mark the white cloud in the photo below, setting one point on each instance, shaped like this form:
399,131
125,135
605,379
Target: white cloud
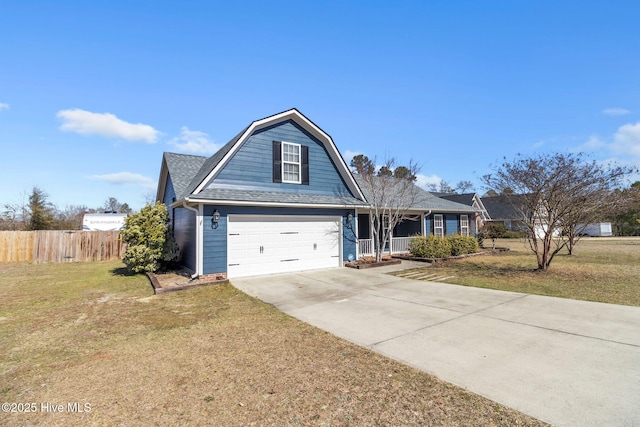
626,140
121,178
538,144
424,180
623,146
594,143
105,124
348,155
193,141
4,106
615,111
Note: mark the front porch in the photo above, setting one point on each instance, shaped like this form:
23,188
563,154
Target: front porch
399,237
399,245
414,224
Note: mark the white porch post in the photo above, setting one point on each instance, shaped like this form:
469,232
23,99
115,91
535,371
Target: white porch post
199,236
355,232
200,240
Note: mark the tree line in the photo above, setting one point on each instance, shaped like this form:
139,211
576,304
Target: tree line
36,212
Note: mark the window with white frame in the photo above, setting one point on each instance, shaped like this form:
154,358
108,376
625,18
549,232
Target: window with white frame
464,225
438,225
291,162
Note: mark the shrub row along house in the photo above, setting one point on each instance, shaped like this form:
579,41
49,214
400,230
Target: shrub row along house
279,197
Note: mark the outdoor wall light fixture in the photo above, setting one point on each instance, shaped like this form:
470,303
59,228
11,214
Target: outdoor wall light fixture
215,219
349,221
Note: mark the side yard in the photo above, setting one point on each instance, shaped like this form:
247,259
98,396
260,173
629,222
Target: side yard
602,270
87,333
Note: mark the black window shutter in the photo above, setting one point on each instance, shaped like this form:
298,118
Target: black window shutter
305,165
277,161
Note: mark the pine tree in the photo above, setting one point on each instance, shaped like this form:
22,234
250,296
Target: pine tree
39,210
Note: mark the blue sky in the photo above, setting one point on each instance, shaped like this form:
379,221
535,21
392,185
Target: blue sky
92,93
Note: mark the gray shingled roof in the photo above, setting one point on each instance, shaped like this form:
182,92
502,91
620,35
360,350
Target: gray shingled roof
211,163
424,201
182,168
275,197
465,199
501,207
186,169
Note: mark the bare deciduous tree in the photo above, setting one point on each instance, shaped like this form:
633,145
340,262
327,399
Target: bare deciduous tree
441,187
389,197
113,205
554,193
464,186
71,217
626,219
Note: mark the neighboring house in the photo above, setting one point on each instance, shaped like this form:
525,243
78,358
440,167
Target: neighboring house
278,198
503,210
469,199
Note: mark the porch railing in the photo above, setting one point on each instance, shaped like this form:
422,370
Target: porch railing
398,245
365,247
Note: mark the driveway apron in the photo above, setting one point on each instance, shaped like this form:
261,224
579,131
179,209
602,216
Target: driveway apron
566,362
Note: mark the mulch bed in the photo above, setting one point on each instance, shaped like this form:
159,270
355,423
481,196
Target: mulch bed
181,279
370,262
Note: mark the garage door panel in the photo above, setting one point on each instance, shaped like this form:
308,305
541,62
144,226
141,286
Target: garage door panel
258,245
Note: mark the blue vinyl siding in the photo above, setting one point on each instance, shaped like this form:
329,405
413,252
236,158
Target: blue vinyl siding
184,228
184,231
451,224
215,240
251,168
169,196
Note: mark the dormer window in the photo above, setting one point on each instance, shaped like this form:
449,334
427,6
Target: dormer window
291,163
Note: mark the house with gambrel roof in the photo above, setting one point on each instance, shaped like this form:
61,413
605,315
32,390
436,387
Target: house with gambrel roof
276,198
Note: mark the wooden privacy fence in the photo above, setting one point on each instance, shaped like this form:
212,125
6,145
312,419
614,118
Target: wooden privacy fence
60,246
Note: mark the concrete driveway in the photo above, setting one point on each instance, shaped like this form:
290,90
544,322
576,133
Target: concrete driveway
569,363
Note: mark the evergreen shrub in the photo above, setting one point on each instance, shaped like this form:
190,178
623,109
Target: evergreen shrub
442,247
150,244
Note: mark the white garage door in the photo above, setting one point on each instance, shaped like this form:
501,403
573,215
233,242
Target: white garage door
266,245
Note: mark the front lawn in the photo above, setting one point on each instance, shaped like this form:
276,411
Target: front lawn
602,269
86,333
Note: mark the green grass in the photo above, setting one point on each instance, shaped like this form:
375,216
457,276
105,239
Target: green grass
89,333
601,269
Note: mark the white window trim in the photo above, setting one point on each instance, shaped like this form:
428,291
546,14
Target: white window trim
464,225
441,227
299,163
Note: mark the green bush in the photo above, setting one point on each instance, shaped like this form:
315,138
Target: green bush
462,245
493,231
150,244
442,247
430,247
